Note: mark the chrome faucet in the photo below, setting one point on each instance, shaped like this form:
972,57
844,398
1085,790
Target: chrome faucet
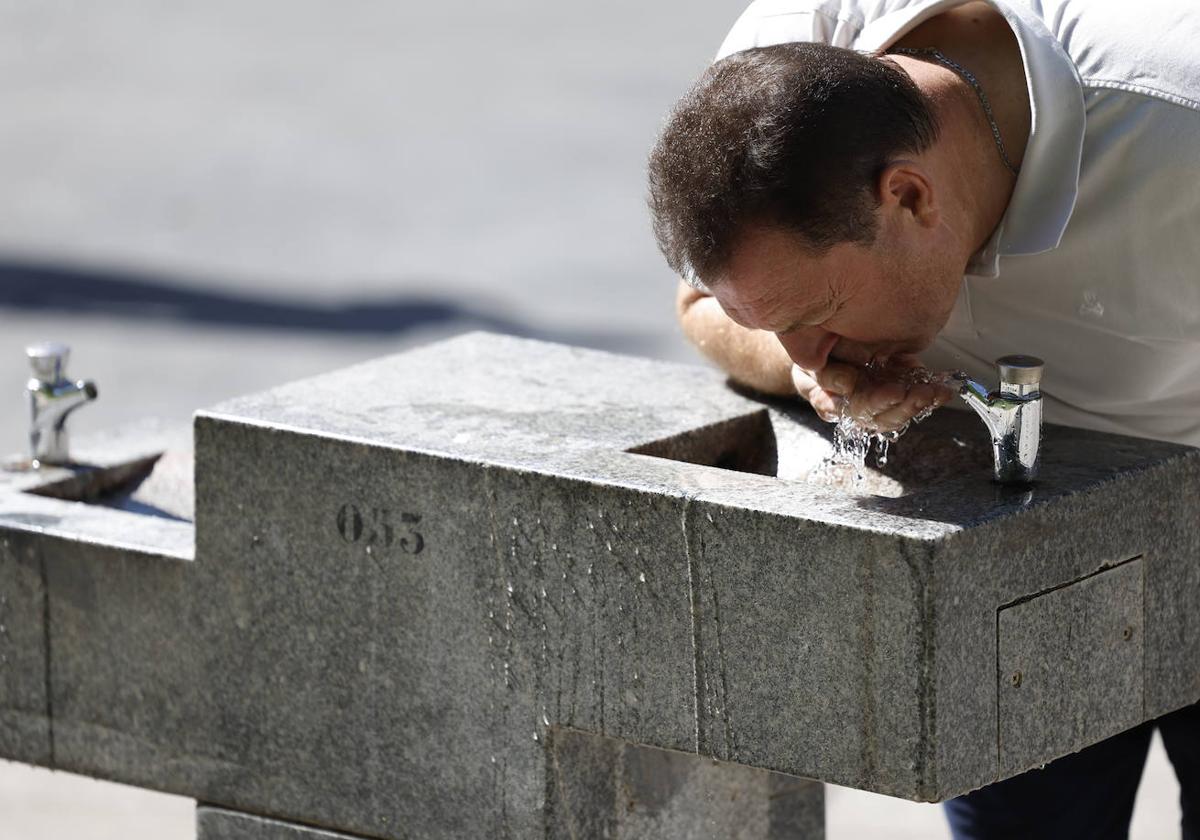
1013,415
52,397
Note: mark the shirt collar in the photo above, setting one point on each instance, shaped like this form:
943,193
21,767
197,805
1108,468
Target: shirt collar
1044,195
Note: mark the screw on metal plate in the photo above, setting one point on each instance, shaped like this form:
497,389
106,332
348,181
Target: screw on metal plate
1016,679
1127,633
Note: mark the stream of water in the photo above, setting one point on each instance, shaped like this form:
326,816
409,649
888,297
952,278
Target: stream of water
854,438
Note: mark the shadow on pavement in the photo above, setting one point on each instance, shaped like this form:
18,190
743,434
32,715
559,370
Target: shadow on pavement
41,287
50,288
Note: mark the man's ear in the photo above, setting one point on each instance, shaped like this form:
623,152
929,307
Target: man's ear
906,186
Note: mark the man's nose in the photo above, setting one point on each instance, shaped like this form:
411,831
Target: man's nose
809,347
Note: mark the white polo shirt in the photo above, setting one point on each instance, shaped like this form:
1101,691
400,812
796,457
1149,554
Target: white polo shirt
1095,266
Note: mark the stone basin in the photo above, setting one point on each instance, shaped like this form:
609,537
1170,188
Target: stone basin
786,441
142,468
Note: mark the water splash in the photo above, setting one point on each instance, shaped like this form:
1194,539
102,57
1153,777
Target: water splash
854,440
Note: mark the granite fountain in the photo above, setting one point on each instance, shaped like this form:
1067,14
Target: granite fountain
495,587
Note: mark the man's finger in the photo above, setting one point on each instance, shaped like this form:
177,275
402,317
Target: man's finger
919,399
837,378
873,398
828,406
895,418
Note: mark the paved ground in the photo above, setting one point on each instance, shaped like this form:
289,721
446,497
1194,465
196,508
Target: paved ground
209,199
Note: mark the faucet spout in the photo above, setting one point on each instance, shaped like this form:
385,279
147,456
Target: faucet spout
52,398
60,400
983,403
1013,416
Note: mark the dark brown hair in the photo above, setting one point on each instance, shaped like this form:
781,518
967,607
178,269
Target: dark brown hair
792,136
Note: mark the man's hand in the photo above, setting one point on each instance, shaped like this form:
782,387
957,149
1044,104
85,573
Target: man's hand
757,359
882,400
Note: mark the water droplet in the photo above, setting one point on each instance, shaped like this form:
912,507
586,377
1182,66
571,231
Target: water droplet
882,455
515,521
554,546
708,516
368,549
608,545
1091,307
545,718
641,577
537,737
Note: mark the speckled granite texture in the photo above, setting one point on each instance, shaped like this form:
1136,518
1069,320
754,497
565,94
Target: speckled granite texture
408,574
24,714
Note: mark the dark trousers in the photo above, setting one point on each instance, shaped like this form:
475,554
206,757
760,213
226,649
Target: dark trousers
1086,795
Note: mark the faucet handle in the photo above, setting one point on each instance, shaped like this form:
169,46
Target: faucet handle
49,360
1020,371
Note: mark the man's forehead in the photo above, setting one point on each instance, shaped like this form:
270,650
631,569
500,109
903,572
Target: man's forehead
759,303
764,266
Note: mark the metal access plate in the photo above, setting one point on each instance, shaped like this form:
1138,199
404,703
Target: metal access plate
1070,667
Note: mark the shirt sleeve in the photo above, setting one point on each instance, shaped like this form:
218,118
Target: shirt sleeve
769,22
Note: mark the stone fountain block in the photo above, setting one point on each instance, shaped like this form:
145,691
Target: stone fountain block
412,576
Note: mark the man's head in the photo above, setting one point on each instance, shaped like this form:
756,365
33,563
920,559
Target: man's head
791,181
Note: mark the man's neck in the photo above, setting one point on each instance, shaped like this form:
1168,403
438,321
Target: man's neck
978,38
